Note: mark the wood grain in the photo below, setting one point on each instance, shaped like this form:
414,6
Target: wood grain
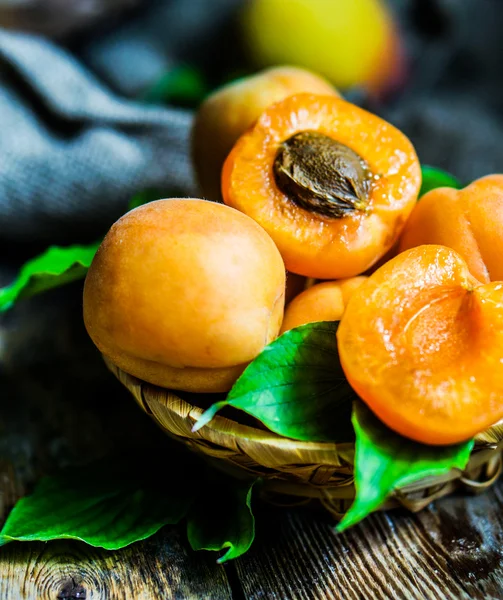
450,550
163,567
60,406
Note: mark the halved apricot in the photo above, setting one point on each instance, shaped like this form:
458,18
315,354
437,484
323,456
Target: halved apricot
421,342
331,183
469,220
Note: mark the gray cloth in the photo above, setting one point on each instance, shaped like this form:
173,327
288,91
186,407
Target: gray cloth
71,152
131,57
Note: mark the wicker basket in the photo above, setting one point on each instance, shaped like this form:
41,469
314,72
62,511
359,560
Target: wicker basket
297,472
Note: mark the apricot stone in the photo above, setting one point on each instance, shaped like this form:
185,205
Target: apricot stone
228,112
184,293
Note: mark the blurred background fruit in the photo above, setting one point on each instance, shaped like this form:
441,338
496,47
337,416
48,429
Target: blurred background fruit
352,43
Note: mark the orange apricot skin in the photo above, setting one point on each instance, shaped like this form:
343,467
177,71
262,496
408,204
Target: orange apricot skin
183,293
422,344
469,221
228,112
322,302
311,244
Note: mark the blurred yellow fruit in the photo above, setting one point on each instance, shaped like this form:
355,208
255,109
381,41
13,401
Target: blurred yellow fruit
351,42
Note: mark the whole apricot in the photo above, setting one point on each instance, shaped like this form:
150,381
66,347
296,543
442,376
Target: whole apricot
322,302
230,111
183,293
469,221
350,43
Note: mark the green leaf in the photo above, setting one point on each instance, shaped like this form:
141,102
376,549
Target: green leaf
296,387
433,178
222,517
144,197
109,504
386,461
55,267
183,85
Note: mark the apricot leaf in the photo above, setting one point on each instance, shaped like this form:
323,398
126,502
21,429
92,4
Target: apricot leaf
55,267
296,387
119,500
224,519
183,85
433,178
108,504
386,461
144,197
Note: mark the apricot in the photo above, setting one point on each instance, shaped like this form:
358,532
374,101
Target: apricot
351,43
421,342
230,111
322,302
469,220
184,293
330,182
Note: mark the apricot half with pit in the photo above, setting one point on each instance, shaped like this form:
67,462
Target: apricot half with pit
184,293
331,183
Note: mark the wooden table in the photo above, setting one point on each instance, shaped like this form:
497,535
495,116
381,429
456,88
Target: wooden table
59,406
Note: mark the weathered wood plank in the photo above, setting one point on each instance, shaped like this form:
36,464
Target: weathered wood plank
163,567
60,406
451,550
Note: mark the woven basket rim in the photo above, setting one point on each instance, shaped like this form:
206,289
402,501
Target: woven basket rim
302,472
226,426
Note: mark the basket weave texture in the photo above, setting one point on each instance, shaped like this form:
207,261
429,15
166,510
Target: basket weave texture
296,472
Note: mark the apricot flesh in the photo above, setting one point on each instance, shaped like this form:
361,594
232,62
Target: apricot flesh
311,242
322,302
183,293
229,111
422,344
469,220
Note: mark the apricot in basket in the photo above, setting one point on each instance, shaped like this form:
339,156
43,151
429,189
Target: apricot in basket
469,220
324,301
183,293
421,342
330,182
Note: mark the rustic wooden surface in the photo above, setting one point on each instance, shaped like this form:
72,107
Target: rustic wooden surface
59,406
